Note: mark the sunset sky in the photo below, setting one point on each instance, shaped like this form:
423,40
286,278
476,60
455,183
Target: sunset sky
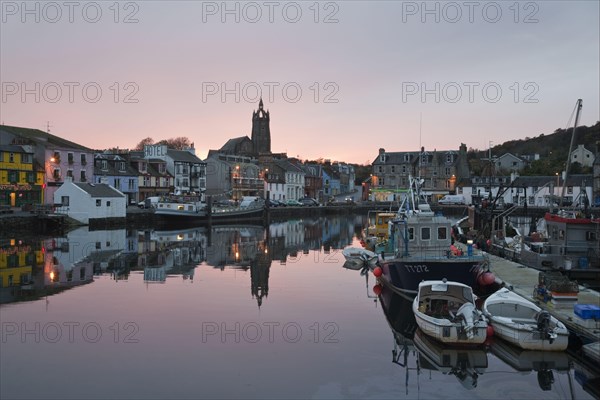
341,79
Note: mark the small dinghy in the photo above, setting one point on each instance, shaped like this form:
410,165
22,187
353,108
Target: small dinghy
357,257
524,324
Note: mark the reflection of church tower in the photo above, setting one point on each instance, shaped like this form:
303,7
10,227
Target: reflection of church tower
261,134
259,274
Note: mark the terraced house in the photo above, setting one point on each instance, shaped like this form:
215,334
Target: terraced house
59,158
21,178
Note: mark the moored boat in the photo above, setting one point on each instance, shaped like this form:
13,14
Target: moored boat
446,311
358,257
425,252
522,323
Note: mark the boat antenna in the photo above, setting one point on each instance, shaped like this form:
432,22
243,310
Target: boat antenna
578,106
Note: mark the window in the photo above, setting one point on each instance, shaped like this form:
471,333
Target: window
56,157
411,233
98,246
83,159
104,164
162,168
26,158
82,177
442,233
569,189
108,203
117,183
425,233
380,169
64,200
70,158
13,176
98,202
122,166
31,177
56,174
143,166
393,168
1,156
70,173
131,184
11,157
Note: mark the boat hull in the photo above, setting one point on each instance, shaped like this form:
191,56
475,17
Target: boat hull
445,331
514,319
408,273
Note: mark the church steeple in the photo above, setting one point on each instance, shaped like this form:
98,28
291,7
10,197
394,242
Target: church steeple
261,133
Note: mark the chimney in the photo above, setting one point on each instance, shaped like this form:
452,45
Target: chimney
381,151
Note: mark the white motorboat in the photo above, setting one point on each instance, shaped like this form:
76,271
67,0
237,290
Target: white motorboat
446,311
522,323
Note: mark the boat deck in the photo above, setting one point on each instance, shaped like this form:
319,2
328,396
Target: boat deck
524,280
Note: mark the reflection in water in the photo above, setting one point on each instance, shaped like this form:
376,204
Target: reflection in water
33,268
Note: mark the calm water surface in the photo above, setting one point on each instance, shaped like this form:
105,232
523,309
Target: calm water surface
237,312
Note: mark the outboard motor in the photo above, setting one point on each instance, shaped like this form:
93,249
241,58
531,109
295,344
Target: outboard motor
543,324
467,312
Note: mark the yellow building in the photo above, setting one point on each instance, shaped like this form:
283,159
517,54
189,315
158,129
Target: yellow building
21,180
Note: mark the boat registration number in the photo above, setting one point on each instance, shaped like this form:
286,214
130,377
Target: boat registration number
418,268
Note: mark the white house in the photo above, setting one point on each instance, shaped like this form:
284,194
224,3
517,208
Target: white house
583,156
87,201
509,162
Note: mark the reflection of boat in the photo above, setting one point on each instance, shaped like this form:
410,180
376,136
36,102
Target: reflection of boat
356,256
398,312
543,362
524,324
446,311
423,240
464,363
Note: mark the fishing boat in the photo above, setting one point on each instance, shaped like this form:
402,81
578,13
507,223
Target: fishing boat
425,251
524,324
446,311
376,235
565,240
358,257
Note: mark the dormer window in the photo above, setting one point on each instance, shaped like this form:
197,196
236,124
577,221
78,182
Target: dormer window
104,164
122,166
383,158
143,166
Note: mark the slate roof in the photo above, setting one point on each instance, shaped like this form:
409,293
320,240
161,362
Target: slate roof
184,155
232,145
13,148
41,137
99,189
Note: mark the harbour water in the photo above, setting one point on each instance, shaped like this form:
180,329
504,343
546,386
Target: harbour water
234,312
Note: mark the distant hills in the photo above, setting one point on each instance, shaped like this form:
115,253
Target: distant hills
553,150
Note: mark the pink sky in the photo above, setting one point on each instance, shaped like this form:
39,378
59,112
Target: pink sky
365,79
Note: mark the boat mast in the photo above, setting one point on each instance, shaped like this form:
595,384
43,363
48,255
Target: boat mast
578,106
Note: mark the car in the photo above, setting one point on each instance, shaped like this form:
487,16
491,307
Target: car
272,203
150,202
293,203
309,202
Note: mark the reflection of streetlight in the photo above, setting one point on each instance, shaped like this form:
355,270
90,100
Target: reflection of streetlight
557,181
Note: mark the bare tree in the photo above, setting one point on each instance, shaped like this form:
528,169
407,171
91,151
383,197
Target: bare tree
142,143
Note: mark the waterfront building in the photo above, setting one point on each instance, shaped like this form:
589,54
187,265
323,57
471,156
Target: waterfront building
59,158
508,162
233,176
440,171
153,179
115,170
188,171
87,201
21,177
313,181
596,176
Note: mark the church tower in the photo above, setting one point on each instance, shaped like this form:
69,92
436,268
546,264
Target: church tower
261,134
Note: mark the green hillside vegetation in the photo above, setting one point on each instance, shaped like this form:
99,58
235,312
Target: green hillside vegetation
552,149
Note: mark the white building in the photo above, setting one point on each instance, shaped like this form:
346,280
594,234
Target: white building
87,201
583,156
